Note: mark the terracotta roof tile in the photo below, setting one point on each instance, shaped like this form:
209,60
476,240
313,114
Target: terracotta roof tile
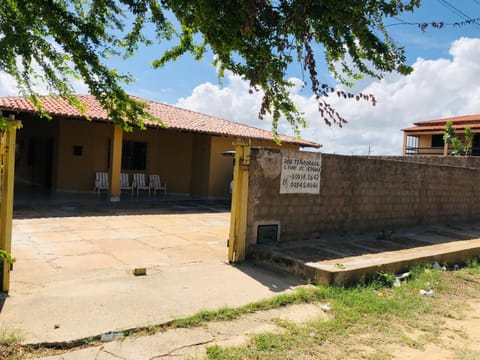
458,122
174,117
456,119
441,127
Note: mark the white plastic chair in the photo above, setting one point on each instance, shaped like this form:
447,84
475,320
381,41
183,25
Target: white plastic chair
125,183
101,182
156,184
139,183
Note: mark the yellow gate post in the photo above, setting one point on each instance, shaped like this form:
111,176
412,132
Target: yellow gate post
238,216
7,156
116,163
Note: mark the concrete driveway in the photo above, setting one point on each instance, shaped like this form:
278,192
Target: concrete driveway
73,276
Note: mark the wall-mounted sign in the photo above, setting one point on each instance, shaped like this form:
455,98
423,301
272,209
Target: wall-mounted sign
300,176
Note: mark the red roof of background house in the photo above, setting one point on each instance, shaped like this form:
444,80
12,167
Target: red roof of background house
174,117
458,122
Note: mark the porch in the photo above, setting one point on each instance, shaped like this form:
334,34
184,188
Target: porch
426,137
433,144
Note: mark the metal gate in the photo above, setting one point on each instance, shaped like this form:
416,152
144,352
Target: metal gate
8,128
238,217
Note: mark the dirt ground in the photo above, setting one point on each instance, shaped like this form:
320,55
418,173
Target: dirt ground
459,338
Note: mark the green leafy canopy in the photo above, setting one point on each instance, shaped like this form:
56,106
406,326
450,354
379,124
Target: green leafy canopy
55,41
461,146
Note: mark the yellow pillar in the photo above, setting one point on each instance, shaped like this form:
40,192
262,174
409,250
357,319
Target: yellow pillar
404,150
445,149
116,163
238,217
6,206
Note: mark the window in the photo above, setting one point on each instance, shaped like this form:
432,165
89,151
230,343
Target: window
134,155
77,150
437,141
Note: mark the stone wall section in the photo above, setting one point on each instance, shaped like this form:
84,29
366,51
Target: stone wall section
457,161
359,194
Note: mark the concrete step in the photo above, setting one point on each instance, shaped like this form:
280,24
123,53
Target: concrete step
341,260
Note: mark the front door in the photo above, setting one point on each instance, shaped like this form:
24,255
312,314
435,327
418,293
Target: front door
41,150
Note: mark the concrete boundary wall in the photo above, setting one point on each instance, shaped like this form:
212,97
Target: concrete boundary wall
457,161
358,194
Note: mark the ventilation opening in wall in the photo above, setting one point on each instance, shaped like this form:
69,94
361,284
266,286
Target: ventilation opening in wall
267,233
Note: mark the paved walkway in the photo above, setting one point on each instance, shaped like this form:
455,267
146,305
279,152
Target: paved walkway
73,275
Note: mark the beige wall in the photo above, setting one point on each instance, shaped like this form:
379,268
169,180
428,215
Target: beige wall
169,154
221,167
77,172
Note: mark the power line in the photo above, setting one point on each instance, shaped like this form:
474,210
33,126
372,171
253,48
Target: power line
453,9
435,24
458,12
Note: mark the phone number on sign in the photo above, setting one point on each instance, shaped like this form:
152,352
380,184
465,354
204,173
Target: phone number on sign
303,185
308,177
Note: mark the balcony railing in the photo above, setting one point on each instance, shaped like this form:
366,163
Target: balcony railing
417,150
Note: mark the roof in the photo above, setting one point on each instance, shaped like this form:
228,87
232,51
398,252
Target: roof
173,117
458,123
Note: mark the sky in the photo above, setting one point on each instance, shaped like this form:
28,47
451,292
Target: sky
444,83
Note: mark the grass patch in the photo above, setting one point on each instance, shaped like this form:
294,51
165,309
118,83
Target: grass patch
10,347
467,354
10,336
367,318
301,295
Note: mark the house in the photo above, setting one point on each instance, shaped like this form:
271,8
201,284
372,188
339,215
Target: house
63,154
426,137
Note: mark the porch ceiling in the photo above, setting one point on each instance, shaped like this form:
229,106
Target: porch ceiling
437,129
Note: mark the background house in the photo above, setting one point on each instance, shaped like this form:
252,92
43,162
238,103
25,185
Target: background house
64,154
426,137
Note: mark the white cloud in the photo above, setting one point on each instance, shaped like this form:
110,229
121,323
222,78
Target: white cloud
8,85
436,88
233,102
